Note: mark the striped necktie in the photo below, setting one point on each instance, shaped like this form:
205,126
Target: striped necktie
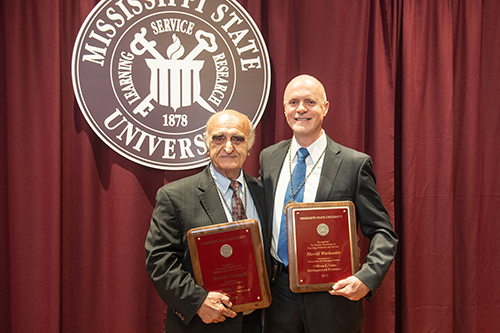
237,209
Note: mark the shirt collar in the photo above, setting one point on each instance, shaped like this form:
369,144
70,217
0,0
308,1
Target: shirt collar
222,181
315,149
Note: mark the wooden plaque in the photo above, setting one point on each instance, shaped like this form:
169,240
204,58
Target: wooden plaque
322,244
229,258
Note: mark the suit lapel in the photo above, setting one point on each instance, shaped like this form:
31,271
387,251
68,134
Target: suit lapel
277,159
257,194
329,171
210,199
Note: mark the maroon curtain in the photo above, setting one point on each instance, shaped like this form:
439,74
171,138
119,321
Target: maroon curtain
448,145
415,84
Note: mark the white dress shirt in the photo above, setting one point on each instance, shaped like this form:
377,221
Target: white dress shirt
310,187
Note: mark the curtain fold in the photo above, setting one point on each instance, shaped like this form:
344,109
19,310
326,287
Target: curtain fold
415,84
32,165
427,165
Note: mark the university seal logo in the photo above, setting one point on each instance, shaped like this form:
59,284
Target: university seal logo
147,75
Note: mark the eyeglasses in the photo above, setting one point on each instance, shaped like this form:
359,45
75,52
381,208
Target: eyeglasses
222,140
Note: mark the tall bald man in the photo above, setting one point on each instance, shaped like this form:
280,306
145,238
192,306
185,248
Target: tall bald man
332,173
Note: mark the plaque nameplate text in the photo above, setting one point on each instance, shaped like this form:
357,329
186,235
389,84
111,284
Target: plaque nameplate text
229,258
322,244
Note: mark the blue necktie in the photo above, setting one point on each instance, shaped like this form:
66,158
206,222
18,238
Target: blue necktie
298,176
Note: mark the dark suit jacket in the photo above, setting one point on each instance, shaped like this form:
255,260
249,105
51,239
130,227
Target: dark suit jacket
346,175
182,205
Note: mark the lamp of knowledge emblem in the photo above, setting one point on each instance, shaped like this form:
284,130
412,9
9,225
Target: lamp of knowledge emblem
147,75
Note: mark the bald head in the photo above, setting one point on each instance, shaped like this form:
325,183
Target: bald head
227,114
303,81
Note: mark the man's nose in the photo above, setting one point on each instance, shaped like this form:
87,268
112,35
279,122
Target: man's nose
302,107
228,147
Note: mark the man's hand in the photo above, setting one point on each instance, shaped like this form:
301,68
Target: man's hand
215,308
351,288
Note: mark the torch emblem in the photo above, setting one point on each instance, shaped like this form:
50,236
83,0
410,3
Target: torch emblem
174,82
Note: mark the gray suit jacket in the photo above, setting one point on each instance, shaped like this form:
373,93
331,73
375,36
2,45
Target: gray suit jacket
346,175
182,205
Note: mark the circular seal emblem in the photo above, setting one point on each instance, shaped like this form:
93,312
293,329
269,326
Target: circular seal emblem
147,75
322,229
226,250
